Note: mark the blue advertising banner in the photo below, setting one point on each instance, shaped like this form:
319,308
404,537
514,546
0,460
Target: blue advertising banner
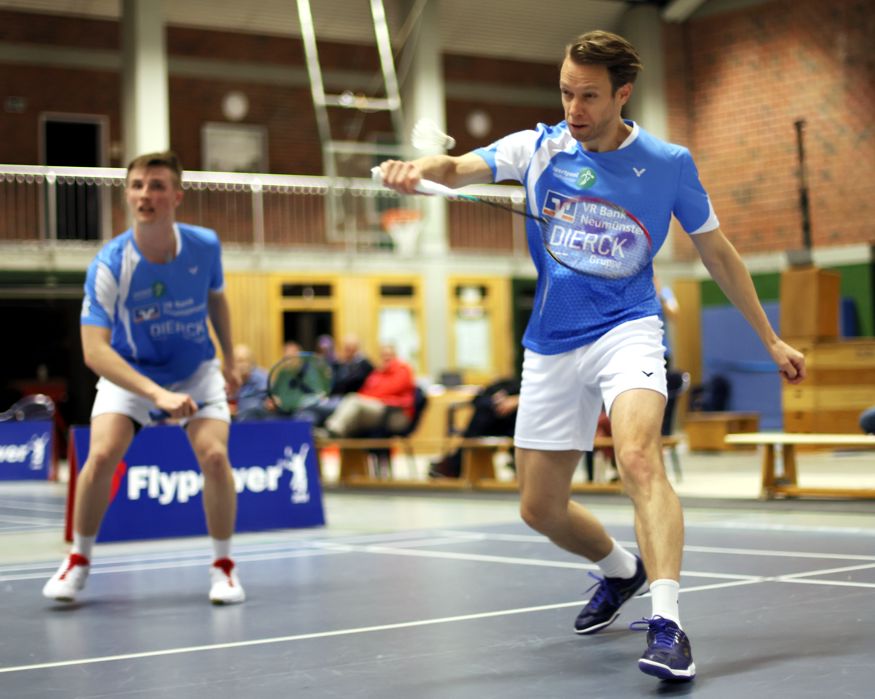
25,449
156,491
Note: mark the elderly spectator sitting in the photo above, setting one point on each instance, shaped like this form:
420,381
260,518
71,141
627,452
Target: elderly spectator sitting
385,399
251,399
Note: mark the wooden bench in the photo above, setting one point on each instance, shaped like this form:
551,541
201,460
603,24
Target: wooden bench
483,476
478,469
477,459
355,466
707,431
787,484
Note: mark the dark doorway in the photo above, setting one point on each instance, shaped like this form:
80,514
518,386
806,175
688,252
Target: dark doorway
304,327
75,142
42,354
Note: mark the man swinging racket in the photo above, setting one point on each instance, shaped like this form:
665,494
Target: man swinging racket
601,192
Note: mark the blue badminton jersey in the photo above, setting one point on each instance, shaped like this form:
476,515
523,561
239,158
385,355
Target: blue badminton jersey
157,312
646,176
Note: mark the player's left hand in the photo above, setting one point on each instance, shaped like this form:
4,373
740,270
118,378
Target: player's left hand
790,361
232,379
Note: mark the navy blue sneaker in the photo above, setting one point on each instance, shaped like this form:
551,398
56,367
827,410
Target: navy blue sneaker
668,655
611,594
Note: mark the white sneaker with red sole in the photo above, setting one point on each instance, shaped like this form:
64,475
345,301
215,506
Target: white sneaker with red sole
64,585
225,587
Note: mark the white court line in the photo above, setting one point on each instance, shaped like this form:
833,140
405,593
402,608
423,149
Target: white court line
318,547
838,583
795,528
201,553
330,634
21,519
827,571
514,560
136,567
35,507
532,538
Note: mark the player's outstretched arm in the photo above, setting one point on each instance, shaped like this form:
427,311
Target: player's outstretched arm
729,271
453,171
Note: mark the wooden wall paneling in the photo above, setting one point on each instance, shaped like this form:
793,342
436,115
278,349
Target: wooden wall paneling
250,301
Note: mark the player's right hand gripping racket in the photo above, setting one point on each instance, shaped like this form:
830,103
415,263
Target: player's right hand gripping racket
298,381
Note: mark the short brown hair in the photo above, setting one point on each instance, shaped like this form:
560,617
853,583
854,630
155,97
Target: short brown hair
606,49
165,158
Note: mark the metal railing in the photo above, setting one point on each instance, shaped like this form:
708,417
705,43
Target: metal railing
48,205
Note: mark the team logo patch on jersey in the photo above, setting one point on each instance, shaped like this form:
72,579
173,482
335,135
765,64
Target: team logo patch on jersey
146,313
586,178
158,289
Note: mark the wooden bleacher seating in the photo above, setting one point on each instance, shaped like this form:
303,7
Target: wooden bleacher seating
478,470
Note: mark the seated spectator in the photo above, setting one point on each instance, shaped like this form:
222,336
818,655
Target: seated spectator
385,400
349,371
325,350
494,415
252,400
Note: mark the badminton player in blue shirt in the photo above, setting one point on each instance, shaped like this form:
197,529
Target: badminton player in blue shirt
595,337
149,295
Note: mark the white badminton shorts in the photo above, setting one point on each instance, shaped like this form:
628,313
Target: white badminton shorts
562,394
206,386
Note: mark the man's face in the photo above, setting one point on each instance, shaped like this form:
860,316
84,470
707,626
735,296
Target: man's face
387,355
153,194
592,110
243,362
348,350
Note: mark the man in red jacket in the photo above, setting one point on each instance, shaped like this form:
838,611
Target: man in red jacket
385,400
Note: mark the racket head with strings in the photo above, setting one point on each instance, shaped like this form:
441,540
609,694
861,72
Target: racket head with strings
594,236
33,407
298,381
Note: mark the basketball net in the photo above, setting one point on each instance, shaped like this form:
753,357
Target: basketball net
402,225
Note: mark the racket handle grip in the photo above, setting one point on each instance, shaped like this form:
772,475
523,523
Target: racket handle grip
424,186
156,414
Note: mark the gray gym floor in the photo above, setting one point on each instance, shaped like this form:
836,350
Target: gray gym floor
405,595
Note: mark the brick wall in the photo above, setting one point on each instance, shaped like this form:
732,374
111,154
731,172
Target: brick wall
735,81
738,81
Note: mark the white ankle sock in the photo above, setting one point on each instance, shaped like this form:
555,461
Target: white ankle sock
664,596
619,563
83,545
222,548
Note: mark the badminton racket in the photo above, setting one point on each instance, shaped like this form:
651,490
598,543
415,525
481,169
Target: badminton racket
32,407
298,381
440,190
